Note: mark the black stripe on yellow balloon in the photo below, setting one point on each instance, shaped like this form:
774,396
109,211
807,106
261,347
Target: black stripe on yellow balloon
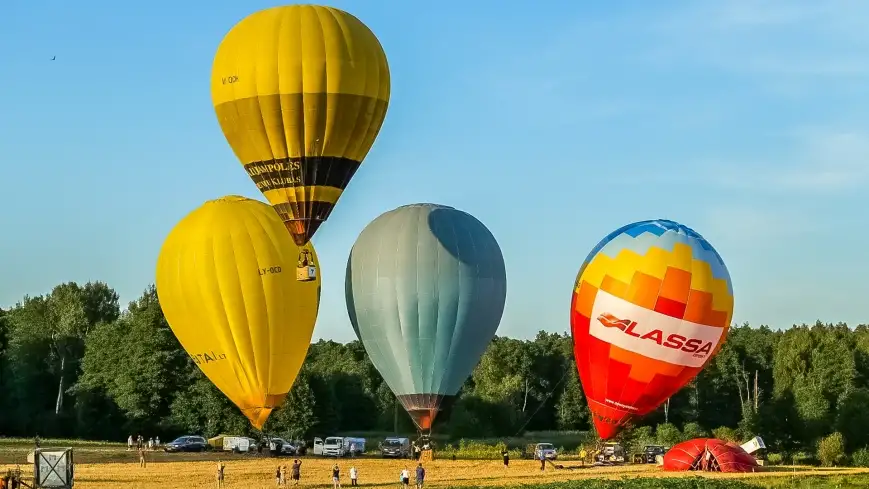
300,81
307,171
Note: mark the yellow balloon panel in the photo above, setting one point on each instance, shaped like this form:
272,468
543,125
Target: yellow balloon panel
300,92
226,280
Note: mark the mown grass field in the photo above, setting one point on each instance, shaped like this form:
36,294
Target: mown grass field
103,466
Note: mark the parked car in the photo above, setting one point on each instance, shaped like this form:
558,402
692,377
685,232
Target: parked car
547,449
395,448
187,444
286,448
651,453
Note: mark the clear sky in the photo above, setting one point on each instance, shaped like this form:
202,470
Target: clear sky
554,124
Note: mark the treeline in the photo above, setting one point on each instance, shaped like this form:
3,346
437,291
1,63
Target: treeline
73,365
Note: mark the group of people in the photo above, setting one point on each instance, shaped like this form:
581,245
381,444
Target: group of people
142,446
140,443
403,477
295,473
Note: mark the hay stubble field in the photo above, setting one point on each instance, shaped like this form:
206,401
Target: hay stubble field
113,467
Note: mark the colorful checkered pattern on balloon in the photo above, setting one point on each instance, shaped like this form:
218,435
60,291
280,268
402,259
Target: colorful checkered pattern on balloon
651,306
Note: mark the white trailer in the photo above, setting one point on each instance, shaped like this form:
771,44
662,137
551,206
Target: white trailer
236,444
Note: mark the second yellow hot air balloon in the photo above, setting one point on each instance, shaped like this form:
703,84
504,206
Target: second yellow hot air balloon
300,92
227,285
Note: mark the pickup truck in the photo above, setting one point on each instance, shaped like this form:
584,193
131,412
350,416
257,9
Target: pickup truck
611,453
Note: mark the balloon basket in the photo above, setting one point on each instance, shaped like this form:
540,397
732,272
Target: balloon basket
306,274
426,456
306,271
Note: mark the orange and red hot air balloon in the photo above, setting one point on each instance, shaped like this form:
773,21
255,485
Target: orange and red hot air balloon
651,306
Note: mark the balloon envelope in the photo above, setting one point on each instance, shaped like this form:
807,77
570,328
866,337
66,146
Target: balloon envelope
300,92
651,306
227,285
708,454
425,291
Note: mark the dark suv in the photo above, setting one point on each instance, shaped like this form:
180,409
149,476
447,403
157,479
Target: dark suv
187,444
651,452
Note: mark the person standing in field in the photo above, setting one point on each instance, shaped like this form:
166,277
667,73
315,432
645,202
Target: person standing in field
157,442
352,450
221,467
353,475
150,443
297,471
278,476
542,460
582,456
130,443
420,476
405,478
506,455
336,477
141,451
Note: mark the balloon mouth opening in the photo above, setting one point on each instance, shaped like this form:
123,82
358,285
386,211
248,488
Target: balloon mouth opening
423,408
608,421
258,416
303,229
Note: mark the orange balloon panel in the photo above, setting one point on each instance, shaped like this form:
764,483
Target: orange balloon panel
651,306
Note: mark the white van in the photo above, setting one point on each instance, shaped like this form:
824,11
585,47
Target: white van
338,446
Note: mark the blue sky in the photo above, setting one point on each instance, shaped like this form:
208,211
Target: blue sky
745,120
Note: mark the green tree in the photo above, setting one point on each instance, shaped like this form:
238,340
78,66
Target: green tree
4,400
46,341
137,362
852,420
693,430
831,450
725,433
668,434
202,408
296,418
572,410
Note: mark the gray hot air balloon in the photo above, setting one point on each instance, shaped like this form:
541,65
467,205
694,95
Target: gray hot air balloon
425,291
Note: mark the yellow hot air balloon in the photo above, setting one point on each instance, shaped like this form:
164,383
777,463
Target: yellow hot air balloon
226,283
300,92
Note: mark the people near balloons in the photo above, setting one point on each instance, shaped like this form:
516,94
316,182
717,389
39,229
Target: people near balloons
404,477
336,477
420,476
